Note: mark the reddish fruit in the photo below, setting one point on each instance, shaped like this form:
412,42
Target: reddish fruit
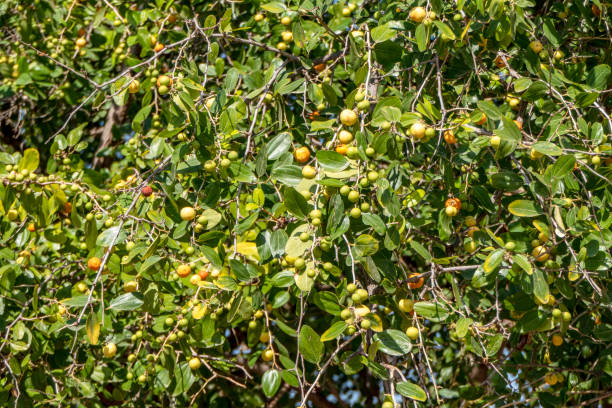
183,270
418,283
147,191
319,67
94,263
31,227
203,273
453,202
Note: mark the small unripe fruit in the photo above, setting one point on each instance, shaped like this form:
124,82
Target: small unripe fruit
412,333
348,117
195,363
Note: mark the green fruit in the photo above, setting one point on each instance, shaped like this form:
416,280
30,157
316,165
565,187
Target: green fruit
353,196
304,236
365,207
345,190
355,212
351,288
566,316
556,313
366,324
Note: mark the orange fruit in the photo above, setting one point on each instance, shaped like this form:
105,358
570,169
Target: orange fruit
203,274
482,120
518,124
158,47
302,154
342,149
418,283
596,11
183,270
319,67
557,340
499,62
94,263
31,227
449,137
67,208
453,202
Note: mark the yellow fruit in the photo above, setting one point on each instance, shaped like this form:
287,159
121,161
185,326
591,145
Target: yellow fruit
281,46
199,311
188,213
130,286
550,378
309,172
417,130
195,363
345,137
287,36
470,221
412,333
536,46
109,350
195,279
302,154
286,20
81,42
258,17
264,337
557,340
348,117
451,211
417,14
406,305
267,355
134,86
540,253
534,154
418,283
183,270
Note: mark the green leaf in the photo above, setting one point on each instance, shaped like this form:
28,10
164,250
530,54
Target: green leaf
30,160
523,262
311,346
92,328
462,326
421,37
332,161
412,391
183,378
365,245
489,109
421,250
540,285
445,29
278,146
289,175
107,237
274,7
563,166
270,383
493,345
382,33
598,77
393,342
493,261
334,331
506,181
328,302
550,32
436,312
127,302
524,208
547,148
535,91
375,222
295,202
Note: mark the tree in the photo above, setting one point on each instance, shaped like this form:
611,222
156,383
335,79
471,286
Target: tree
305,203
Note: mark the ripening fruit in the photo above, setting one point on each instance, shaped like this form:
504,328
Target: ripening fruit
134,86
258,17
94,263
302,154
449,137
80,42
482,120
451,211
158,47
536,46
31,227
188,213
109,350
416,284
557,340
540,253
387,404
281,45
195,363
412,333
183,270
264,337
348,117
550,378
453,202
286,20
406,305
287,36
470,221
417,130
309,172
342,149
267,355
345,137
147,191
566,316
130,286
346,11
417,14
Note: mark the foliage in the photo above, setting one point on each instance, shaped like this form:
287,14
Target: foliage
305,203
